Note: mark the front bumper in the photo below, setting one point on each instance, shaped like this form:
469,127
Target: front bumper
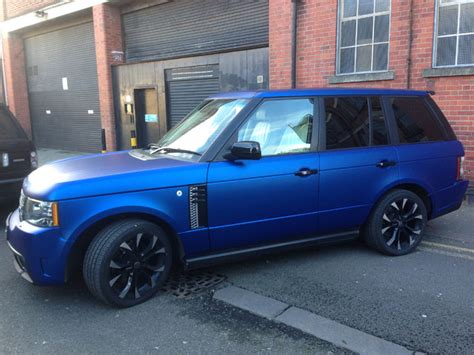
39,253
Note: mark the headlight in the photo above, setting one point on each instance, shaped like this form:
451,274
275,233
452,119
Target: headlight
39,213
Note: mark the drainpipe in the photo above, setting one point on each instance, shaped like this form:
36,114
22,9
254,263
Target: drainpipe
410,42
294,24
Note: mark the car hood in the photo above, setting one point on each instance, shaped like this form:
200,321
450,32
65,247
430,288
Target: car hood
110,173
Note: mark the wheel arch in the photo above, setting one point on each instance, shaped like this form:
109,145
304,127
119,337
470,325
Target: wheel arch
420,190
83,240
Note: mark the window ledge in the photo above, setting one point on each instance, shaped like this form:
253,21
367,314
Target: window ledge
438,72
354,78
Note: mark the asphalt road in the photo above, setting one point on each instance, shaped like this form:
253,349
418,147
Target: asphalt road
423,301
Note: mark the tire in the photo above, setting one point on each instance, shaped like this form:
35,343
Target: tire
396,225
127,262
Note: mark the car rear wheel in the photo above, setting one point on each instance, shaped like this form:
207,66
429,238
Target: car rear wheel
127,262
396,225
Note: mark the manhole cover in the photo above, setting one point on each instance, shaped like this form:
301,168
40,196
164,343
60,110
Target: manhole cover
183,285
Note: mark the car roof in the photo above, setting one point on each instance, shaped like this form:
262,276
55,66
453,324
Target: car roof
317,92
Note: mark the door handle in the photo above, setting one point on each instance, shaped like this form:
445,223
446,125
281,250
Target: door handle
306,172
385,163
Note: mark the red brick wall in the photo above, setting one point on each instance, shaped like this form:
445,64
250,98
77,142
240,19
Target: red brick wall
316,58
15,77
108,39
15,8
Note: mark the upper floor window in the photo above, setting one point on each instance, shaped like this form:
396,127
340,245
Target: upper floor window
454,29
363,38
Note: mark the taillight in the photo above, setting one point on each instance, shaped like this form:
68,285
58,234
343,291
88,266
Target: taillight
5,160
460,169
34,159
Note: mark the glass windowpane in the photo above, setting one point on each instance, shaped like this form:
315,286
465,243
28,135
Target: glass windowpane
466,24
366,7
364,57
446,49
466,49
382,24
364,30
382,5
348,33
350,8
346,61
381,57
448,20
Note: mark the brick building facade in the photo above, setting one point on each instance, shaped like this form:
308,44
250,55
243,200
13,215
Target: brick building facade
410,59
399,51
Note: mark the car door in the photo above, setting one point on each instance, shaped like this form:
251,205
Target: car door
274,198
357,162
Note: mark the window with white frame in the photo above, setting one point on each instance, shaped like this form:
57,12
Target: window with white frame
454,30
363,38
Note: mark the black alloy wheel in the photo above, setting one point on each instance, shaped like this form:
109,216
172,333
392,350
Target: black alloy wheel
128,262
396,224
402,224
136,266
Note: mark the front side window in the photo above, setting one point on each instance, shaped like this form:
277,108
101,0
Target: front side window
280,126
454,37
363,39
351,124
415,122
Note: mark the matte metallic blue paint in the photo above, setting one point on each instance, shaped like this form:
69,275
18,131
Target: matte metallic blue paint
250,203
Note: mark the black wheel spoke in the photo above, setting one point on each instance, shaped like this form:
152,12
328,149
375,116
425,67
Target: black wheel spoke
393,237
150,246
157,250
137,266
127,288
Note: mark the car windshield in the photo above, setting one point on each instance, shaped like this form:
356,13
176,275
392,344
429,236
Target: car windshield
197,132
8,129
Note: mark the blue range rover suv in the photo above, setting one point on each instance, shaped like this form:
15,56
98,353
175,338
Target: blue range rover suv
245,173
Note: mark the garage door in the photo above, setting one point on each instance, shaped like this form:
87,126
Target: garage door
187,87
63,91
190,27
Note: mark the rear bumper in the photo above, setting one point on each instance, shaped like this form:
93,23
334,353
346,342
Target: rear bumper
11,187
38,252
449,199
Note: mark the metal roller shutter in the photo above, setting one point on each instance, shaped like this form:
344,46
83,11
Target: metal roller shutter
188,27
64,119
187,88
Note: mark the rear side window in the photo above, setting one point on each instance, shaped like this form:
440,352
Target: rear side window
353,122
415,121
8,128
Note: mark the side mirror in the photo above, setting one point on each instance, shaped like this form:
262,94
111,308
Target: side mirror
245,150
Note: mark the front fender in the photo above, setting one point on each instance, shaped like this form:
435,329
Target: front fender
78,215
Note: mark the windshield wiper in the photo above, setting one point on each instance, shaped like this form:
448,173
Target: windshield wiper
170,150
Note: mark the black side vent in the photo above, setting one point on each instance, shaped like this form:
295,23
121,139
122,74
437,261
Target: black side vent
198,206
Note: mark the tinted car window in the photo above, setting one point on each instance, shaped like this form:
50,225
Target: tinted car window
347,122
379,126
415,121
280,126
8,128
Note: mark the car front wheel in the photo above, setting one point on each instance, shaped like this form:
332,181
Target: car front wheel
396,225
127,262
